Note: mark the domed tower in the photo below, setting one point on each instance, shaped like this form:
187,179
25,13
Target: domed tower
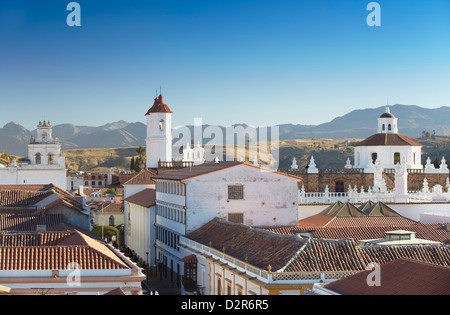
387,147
159,133
387,123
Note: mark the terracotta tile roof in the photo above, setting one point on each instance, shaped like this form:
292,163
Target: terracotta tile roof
111,208
33,239
262,248
292,254
118,291
391,139
362,228
202,169
327,255
145,177
56,255
145,198
190,259
159,106
21,197
29,195
428,279
28,222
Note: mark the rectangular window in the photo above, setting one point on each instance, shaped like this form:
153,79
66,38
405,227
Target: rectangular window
236,218
236,192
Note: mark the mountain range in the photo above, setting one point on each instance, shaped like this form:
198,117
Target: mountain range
357,124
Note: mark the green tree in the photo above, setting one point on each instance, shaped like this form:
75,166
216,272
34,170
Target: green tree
106,231
132,164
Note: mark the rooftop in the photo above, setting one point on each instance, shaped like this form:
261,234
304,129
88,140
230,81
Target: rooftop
205,168
289,253
428,279
391,139
54,251
145,198
159,106
145,177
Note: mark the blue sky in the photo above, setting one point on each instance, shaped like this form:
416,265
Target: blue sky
258,62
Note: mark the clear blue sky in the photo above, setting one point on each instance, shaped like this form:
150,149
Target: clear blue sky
259,62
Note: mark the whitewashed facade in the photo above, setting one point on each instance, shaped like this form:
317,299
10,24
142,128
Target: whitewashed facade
264,198
46,163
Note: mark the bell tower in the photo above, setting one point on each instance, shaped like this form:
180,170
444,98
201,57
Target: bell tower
387,123
159,133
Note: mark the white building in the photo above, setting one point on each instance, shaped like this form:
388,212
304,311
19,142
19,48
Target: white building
45,164
238,192
159,133
139,215
388,147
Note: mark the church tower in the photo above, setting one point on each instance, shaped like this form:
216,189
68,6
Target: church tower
159,133
44,149
387,123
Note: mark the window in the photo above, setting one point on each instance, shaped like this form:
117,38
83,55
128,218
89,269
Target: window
228,287
389,127
50,159
340,186
38,158
384,127
236,218
111,220
236,192
396,157
374,157
161,124
219,286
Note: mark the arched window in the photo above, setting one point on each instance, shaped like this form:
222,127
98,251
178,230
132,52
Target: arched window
374,157
384,127
389,127
161,124
396,157
50,159
38,158
111,221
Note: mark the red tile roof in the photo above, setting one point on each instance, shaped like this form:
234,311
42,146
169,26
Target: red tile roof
111,208
391,139
9,198
292,254
159,106
262,248
29,195
397,279
145,198
362,228
56,255
206,168
145,177
27,222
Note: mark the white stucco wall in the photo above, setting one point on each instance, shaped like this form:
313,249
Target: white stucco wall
34,175
269,198
386,156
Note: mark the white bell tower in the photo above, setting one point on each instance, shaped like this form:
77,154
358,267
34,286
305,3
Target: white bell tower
387,123
159,133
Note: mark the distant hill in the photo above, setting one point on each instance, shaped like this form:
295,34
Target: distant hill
362,123
14,138
358,124
328,153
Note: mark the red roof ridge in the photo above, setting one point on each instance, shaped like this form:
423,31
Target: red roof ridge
159,106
